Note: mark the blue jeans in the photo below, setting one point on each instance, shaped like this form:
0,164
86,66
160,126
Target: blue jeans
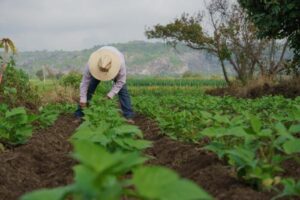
124,99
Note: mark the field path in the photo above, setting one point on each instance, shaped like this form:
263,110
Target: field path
43,162
193,163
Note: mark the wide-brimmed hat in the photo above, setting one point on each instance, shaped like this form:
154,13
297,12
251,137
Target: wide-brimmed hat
104,64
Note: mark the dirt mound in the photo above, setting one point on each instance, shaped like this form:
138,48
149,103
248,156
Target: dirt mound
288,89
200,166
43,162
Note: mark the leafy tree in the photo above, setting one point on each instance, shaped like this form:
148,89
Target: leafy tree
277,19
233,40
15,89
8,45
40,74
188,30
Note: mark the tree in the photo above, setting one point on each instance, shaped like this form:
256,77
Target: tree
277,19
233,40
188,30
7,45
40,74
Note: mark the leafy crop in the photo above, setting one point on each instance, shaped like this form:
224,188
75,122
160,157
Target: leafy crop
16,89
49,113
110,166
15,125
255,137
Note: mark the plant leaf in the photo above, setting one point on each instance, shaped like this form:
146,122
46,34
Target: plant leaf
163,184
292,146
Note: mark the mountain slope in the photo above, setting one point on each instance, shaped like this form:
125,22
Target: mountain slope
142,58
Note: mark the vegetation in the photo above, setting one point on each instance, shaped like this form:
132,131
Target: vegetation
195,82
142,58
16,89
255,137
19,100
8,46
107,149
15,125
233,41
277,19
72,79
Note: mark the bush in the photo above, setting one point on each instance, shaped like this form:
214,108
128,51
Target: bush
189,74
16,89
15,125
72,79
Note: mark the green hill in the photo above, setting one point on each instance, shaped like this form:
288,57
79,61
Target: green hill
142,58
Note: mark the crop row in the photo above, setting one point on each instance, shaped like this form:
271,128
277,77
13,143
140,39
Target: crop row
16,123
175,82
255,137
111,164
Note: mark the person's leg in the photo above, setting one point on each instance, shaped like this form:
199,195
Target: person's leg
91,90
78,113
125,102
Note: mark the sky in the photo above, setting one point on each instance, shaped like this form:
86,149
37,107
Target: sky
80,24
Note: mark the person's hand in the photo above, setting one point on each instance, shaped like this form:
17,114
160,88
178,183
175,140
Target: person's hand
107,97
82,105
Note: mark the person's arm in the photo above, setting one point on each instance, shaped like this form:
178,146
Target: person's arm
119,83
85,81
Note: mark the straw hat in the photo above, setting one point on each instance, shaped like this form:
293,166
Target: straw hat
104,64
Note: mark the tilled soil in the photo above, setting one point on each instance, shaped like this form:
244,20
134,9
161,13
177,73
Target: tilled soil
288,89
43,162
202,167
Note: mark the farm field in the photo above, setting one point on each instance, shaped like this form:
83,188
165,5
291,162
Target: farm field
230,148
241,143
209,109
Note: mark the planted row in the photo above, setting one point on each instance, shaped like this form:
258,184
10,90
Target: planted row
255,137
16,124
111,165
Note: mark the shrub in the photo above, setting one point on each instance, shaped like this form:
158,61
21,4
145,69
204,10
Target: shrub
16,89
72,79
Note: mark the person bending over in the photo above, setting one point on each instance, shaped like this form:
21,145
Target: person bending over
105,64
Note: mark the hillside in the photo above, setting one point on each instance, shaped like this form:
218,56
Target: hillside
142,58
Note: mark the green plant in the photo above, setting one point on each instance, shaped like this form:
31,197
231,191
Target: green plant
72,79
16,88
123,137
255,136
47,115
102,175
15,126
291,188
154,182
277,19
111,166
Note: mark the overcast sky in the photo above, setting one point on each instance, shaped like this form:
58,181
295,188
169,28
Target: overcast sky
79,24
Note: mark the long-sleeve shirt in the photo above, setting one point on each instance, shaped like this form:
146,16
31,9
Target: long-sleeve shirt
119,80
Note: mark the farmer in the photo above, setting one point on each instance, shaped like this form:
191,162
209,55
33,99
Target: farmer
105,64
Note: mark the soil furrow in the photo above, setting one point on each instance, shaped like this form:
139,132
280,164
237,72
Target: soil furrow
191,162
43,162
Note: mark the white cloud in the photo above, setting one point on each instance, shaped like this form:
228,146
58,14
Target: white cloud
78,24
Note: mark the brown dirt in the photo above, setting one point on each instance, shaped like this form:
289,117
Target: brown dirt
288,89
198,165
43,162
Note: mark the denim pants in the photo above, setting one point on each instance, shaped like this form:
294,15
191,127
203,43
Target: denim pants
124,99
